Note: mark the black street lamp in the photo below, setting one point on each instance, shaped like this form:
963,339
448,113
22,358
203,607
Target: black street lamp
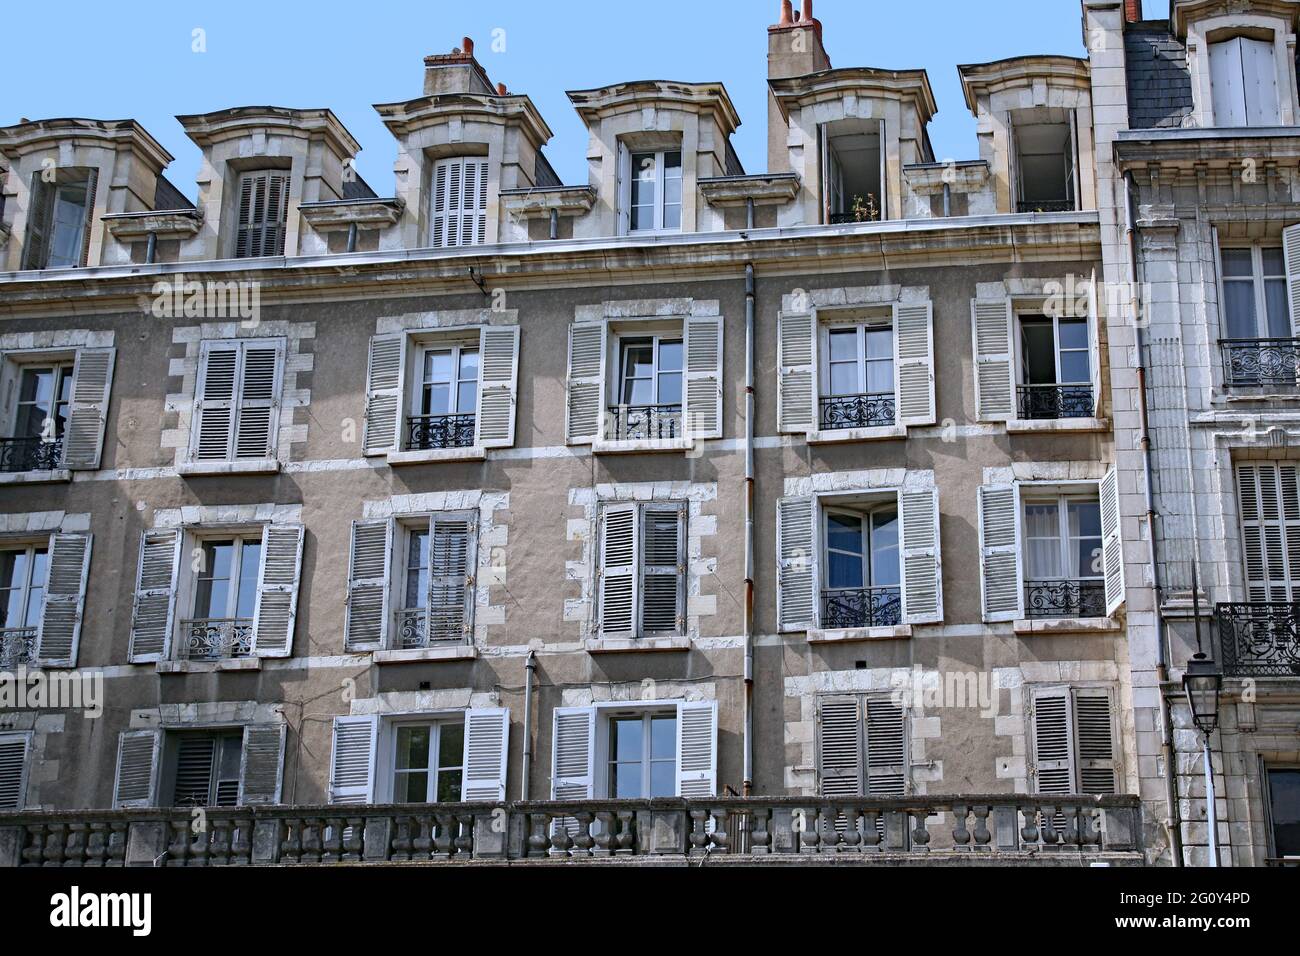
1202,682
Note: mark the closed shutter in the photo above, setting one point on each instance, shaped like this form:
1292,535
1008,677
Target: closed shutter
1112,547
617,574
155,588
1000,574
92,381
1227,92
585,412
263,210
92,187
65,600
136,781
214,407
1259,81
191,784
797,372
1095,741
498,383
914,363
385,374
697,749
39,221
922,578
840,746
352,763
277,590
451,581
1269,499
797,579
887,772
366,624
13,771
487,741
995,394
1291,253
1053,742
259,399
573,753
459,213
261,764
663,569
703,413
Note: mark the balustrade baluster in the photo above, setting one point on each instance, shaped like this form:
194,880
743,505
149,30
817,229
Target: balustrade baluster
960,835
760,837
982,833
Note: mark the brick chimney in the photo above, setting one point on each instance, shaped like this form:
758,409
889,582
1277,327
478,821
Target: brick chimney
794,48
456,72
1132,11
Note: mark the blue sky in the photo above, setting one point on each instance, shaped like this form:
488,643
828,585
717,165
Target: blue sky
348,56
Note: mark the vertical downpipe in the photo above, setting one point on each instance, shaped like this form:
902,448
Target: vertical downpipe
151,248
748,783
555,224
352,237
529,667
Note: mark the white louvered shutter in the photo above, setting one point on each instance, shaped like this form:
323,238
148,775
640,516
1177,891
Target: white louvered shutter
914,363
617,574
215,401
1095,741
366,624
352,762
135,783
797,372
797,579
1291,253
995,393
459,213
13,771
36,254
919,555
697,749
155,589
573,753
585,412
92,382
487,742
1112,547
277,590
498,386
65,600
1053,742
259,399
1269,498
88,224
451,580
840,746
263,211
385,375
663,569
1095,319
887,745
1000,574
703,412
261,764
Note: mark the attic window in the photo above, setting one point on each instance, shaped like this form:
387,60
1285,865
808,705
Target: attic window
58,229
1243,83
654,195
852,171
1043,160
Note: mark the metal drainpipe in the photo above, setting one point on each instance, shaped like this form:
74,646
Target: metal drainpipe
151,248
947,200
352,237
749,213
529,667
1173,824
748,783
555,224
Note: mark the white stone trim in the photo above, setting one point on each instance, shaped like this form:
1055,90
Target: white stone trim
189,516
850,482
42,522
405,703
207,714
647,691
56,339
453,319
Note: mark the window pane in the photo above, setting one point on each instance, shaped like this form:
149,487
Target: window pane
437,366
437,400
625,738
1075,367
1037,340
1274,263
673,215
884,549
673,164
412,787
880,344
467,398
663,781
413,748
1237,262
417,564
1284,804
1074,334
451,745
644,186
670,356
844,532
625,781
1239,310
449,786
880,376
670,388
1084,519
844,345
469,365
1043,540
250,566
844,378
843,571
663,737
69,222
638,360
1279,314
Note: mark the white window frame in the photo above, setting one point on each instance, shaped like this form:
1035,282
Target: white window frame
206,537
1061,500
1022,370
605,729
865,514
435,723
456,350
626,340
861,327
30,548
625,199
1258,281
63,371
402,526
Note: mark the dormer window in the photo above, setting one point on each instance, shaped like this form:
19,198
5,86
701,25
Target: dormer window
458,210
1044,172
654,195
853,171
1243,82
58,229
263,211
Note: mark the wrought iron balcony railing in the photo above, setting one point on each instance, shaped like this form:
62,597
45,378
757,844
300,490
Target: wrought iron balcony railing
427,432
867,410
1261,363
1259,639
1048,402
416,628
216,639
1065,598
1045,205
17,647
861,607
30,454
845,218
645,422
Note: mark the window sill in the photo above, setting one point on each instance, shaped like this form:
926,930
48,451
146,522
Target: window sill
52,476
432,455
1032,426
850,634
210,667
837,435
637,645
1067,625
250,466
641,446
416,655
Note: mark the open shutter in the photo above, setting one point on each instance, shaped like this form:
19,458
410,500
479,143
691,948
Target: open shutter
922,580
703,413
451,580
1000,573
1053,742
586,386
39,221
1291,253
498,384
914,362
1095,741
624,190
663,569
215,401
277,590
1094,346
995,393
617,574
697,749
259,399
155,588
487,741
385,372
839,746
1269,499
797,372
13,771
92,380
352,765
887,773
136,781
573,753
261,764
88,225
1112,548
65,600
438,213
366,624
796,595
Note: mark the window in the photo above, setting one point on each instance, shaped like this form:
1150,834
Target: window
53,409
852,171
1254,293
1055,368
1074,741
208,767
205,768
1269,497
14,751
458,210
445,399
23,573
263,212
1243,83
428,762
649,397
225,599
642,570
58,229
862,746
654,197
1043,158
43,396
238,400
858,382
862,581
642,755
1283,811
1063,547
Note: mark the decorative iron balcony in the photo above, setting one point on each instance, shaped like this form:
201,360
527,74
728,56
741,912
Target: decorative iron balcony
416,629
1259,639
861,607
645,422
426,432
216,639
868,410
1049,402
1045,205
17,646
1261,363
30,454
846,218
1009,828
1078,598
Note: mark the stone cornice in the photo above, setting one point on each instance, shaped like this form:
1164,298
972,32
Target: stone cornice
42,134
165,223
337,215
763,188
886,84
537,202
408,116
661,94
1215,147
205,129
966,176
983,78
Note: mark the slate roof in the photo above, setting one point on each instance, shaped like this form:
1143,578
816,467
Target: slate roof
1159,84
